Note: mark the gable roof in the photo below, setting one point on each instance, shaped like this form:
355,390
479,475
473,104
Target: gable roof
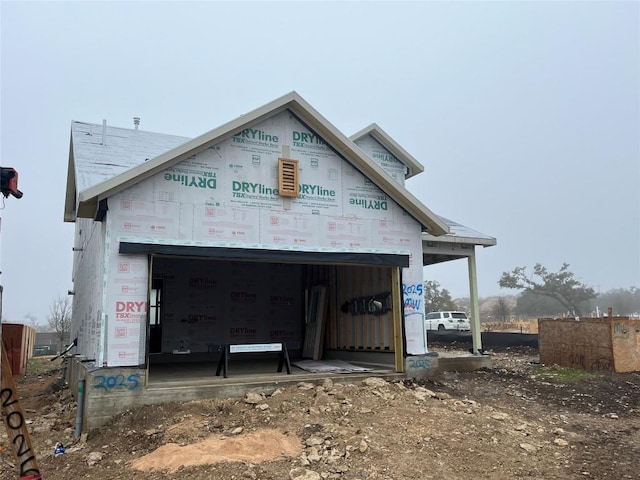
83,198
414,167
456,244
99,152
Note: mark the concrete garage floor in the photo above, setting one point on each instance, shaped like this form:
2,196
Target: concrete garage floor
183,381
252,372
260,374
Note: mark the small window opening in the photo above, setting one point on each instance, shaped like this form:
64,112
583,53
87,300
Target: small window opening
155,316
155,304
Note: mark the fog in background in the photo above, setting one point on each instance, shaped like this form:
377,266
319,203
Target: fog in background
524,114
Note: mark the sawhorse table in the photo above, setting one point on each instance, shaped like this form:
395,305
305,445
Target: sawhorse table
223,363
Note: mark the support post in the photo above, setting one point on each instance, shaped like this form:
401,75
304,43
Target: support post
476,335
80,407
396,315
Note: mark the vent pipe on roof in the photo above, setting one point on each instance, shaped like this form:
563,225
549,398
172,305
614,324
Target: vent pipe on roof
136,122
104,132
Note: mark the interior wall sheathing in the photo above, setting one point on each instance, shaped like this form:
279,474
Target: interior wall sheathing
362,331
323,275
211,303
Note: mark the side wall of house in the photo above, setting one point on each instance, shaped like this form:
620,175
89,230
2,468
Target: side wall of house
126,303
227,196
88,279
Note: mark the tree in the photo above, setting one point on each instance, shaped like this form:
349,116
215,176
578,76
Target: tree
437,299
31,321
623,301
501,310
560,285
59,319
532,305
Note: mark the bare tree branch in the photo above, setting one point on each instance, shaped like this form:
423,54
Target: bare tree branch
59,319
501,309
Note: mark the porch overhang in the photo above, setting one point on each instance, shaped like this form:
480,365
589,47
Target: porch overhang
451,247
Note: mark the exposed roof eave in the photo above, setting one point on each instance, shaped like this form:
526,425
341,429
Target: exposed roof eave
459,235
89,198
171,157
453,246
70,197
484,242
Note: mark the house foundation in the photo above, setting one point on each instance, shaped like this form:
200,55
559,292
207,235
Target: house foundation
112,391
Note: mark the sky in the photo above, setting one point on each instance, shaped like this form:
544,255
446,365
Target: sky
525,115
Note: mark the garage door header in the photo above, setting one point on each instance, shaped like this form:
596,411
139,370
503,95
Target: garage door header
262,255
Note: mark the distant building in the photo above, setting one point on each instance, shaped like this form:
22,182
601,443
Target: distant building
48,343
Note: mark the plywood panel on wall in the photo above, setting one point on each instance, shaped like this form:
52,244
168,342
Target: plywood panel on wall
357,330
626,344
605,344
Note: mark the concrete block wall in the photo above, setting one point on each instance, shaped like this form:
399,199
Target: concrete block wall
425,366
110,391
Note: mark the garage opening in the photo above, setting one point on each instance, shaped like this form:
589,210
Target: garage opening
322,312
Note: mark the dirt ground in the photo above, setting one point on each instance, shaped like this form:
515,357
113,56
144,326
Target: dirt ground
517,420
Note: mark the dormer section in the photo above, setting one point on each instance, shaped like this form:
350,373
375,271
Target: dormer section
387,153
